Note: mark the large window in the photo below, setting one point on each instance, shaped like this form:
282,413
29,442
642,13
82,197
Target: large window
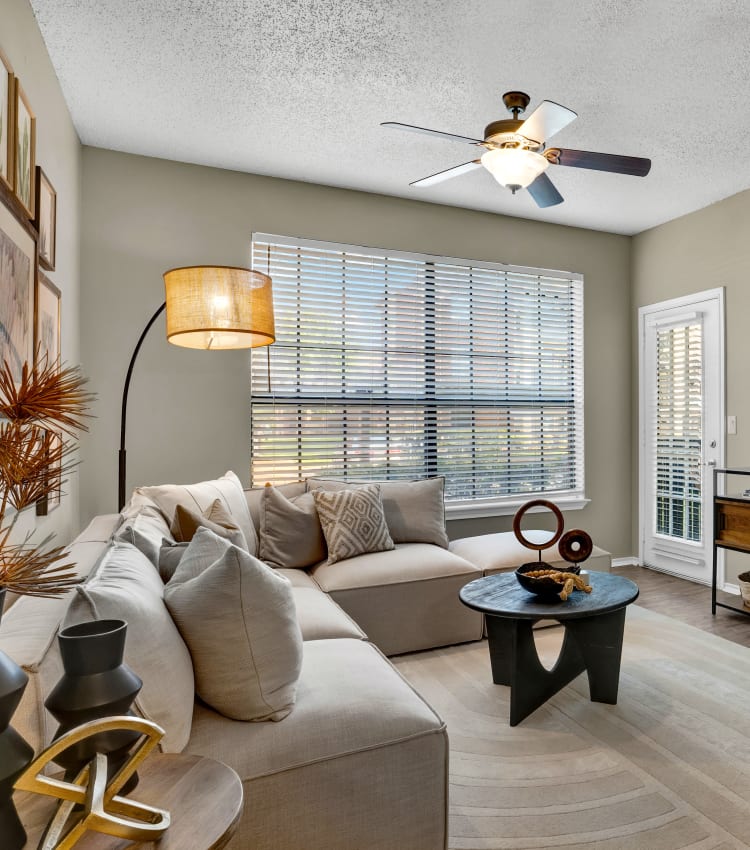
395,365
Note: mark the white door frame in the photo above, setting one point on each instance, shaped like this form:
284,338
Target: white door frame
683,302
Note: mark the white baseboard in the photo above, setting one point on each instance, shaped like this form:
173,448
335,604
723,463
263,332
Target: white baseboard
627,561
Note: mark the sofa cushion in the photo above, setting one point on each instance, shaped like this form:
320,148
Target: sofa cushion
414,510
353,522
145,530
227,488
254,495
239,620
349,698
127,586
290,533
216,518
494,553
320,618
406,599
408,562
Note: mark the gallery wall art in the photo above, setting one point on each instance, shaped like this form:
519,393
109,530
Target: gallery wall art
25,150
47,325
17,278
46,219
7,95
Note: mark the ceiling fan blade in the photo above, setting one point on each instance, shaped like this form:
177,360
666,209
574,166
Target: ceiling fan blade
448,173
450,136
635,165
544,192
546,120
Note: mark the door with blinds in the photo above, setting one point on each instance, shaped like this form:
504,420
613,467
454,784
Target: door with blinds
681,430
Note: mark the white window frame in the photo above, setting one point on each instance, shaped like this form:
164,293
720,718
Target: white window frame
471,508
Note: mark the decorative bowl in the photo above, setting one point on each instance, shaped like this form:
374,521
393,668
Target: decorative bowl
543,587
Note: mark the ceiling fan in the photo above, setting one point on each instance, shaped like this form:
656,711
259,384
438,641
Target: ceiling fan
516,153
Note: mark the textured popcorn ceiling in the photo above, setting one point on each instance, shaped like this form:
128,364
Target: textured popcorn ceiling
298,89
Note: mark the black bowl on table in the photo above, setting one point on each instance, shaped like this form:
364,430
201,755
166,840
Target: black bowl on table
544,587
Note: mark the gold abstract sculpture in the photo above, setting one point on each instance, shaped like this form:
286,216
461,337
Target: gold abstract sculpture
91,802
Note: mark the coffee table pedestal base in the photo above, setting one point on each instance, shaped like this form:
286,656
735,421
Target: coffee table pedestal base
593,644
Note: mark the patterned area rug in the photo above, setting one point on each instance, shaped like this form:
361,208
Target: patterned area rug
667,767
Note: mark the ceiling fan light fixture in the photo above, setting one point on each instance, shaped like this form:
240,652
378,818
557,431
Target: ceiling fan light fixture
514,168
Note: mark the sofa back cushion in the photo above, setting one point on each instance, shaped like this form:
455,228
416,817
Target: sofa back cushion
126,586
239,619
290,535
28,635
414,510
145,530
201,496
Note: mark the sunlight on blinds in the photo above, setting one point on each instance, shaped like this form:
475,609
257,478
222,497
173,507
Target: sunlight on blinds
679,428
394,365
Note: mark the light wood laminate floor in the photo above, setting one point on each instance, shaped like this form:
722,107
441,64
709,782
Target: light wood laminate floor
689,602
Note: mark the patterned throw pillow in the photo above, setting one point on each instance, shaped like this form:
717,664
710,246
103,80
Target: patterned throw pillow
353,522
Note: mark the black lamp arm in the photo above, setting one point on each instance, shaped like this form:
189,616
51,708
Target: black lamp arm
122,467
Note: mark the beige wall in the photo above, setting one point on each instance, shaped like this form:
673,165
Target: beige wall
188,416
703,250
59,154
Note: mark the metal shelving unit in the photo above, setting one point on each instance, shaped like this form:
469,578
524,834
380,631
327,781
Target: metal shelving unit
731,530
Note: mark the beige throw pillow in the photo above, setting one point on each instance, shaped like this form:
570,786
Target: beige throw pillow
414,510
353,522
290,532
239,621
201,496
127,587
186,522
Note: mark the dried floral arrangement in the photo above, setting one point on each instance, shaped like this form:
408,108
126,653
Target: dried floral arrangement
48,400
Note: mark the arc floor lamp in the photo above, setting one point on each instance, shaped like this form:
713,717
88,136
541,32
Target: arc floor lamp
214,308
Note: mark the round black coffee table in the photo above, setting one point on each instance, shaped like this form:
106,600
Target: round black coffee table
593,622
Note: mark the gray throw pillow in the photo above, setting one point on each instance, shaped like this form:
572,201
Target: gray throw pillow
145,530
239,621
170,555
353,522
290,533
414,510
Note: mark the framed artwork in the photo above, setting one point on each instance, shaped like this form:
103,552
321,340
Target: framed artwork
47,323
17,276
25,150
46,219
7,98
53,499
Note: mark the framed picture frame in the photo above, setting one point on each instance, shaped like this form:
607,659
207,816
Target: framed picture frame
47,319
53,499
18,268
7,119
45,204
24,150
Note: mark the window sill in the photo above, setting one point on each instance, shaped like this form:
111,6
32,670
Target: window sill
477,508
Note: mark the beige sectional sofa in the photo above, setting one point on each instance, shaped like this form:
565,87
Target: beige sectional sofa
362,760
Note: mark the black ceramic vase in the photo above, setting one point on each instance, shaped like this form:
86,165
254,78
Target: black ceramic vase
15,753
96,684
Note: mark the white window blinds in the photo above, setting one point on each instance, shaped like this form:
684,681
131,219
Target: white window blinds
395,365
679,430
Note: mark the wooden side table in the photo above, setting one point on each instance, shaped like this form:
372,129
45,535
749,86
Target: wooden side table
203,797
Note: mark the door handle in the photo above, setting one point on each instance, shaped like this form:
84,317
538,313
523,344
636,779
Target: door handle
710,463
